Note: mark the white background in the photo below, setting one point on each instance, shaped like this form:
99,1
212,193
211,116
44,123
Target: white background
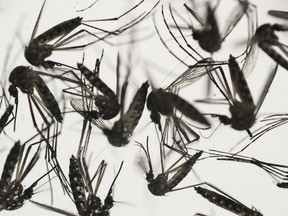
249,184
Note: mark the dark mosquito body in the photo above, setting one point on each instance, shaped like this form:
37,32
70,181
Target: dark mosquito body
85,198
123,128
266,39
166,102
225,201
12,193
243,111
27,80
278,14
107,103
161,102
162,184
209,36
38,48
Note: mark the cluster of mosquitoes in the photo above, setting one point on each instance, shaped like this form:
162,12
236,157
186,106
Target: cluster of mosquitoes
98,104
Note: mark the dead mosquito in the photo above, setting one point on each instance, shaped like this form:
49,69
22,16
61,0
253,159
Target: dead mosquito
165,101
12,195
225,201
39,48
85,198
243,110
107,103
209,36
27,80
161,184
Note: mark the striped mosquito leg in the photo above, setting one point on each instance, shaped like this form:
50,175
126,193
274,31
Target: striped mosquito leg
9,166
77,186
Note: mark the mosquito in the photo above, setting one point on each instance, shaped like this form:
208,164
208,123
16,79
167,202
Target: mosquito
80,182
243,111
123,128
38,48
165,101
278,14
12,196
209,36
161,184
26,79
278,171
225,201
107,103
267,40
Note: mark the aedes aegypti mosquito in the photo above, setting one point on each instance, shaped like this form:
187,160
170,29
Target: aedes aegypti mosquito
209,36
26,79
12,193
165,101
38,48
85,198
243,110
162,184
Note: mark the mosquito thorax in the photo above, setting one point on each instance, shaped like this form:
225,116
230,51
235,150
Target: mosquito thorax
265,33
154,98
158,185
243,116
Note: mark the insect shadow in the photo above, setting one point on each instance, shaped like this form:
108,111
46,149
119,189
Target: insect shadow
162,184
38,48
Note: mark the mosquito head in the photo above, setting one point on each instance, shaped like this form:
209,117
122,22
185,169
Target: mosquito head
109,201
149,176
13,91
